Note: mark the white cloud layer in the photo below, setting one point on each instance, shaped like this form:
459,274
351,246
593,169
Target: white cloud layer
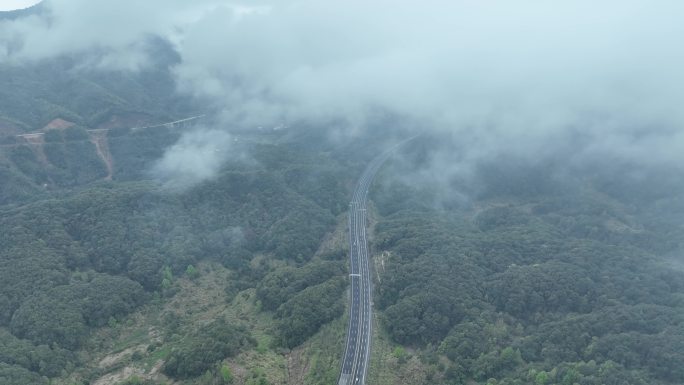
117,28
521,73
11,5
195,158
516,74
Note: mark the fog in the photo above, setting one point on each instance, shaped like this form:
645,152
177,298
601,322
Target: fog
531,78
195,158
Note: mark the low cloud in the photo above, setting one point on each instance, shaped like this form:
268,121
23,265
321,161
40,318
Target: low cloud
110,35
581,78
525,77
195,158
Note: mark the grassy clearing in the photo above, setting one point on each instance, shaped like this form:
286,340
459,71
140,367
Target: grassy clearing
324,351
392,364
149,333
155,329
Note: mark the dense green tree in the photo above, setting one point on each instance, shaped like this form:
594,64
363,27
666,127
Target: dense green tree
545,283
53,136
16,375
524,291
106,296
75,133
26,160
41,319
282,284
200,350
42,359
303,315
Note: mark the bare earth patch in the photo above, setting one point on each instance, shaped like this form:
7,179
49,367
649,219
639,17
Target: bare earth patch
297,366
115,358
58,124
119,376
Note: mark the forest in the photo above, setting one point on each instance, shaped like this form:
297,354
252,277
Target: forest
32,95
87,252
518,271
550,282
560,282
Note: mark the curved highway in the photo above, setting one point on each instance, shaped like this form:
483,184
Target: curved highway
358,345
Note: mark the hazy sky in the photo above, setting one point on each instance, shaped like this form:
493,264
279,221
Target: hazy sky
10,5
523,75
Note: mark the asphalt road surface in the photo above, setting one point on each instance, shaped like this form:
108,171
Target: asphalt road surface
358,346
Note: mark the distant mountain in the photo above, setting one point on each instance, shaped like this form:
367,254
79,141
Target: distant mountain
16,14
33,95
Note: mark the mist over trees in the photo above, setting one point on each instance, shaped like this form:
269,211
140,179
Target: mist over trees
85,258
531,232
525,274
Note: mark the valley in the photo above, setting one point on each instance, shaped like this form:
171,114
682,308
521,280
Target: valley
349,193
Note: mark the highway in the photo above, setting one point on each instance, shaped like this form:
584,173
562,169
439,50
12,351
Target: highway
358,344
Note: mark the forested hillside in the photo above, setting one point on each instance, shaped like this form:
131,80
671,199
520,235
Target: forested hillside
175,179
512,277
534,279
85,252
31,96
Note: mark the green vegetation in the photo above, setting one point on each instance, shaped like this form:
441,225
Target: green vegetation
281,285
57,163
17,375
301,316
136,151
515,278
61,316
201,350
85,253
226,375
32,95
547,284
41,358
304,299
